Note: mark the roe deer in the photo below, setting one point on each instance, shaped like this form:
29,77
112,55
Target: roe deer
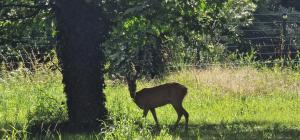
151,98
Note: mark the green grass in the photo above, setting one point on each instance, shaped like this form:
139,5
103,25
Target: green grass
223,103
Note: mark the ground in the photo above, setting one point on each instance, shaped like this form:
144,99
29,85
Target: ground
223,103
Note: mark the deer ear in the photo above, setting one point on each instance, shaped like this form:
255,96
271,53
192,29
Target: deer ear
131,77
128,77
134,77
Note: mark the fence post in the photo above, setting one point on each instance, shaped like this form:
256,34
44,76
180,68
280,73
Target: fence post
284,38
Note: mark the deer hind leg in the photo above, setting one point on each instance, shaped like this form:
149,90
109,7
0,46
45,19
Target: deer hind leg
186,115
179,113
154,115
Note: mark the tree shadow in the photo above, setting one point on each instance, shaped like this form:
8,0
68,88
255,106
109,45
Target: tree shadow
64,127
66,130
242,130
11,129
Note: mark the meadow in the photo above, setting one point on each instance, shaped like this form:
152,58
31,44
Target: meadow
223,103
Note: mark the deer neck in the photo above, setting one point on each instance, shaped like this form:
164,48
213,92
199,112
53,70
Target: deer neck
132,95
132,88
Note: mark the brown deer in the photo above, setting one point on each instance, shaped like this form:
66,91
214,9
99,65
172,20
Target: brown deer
151,98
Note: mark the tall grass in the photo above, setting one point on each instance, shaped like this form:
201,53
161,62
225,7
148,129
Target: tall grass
223,103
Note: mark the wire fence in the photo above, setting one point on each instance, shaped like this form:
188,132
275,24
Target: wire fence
272,35
291,64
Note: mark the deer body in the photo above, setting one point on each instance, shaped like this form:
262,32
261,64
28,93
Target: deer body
151,98
160,95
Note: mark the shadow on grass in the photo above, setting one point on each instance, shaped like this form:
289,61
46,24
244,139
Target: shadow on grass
226,131
52,130
12,129
238,130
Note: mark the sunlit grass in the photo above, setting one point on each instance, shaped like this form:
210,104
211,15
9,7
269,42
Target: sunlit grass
223,103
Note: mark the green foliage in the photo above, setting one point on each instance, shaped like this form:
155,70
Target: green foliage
134,42
153,34
26,27
55,111
28,100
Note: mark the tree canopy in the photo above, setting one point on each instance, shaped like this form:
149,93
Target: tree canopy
152,34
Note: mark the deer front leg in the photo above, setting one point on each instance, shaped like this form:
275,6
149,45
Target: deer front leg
145,112
154,115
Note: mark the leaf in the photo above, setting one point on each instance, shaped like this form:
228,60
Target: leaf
203,5
136,9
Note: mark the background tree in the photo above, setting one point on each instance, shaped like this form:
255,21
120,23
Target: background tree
150,35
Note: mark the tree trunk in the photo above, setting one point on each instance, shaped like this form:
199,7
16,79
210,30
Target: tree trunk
81,30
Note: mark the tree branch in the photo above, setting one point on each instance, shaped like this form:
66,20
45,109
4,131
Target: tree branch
37,9
21,17
29,6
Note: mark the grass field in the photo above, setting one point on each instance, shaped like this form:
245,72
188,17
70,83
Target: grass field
223,103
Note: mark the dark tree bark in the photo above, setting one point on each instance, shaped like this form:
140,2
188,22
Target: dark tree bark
81,29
